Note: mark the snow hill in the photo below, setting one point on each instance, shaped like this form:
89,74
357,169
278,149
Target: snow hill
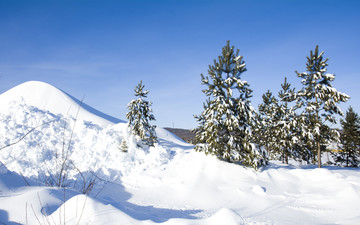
46,97
166,184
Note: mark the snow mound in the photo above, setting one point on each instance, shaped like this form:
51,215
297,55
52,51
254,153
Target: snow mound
49,98
38,114
225,216
86,145
164,134
82,209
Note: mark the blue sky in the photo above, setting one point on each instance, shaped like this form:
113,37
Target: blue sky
102,49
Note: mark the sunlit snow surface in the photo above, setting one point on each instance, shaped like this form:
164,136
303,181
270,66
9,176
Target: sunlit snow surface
166,184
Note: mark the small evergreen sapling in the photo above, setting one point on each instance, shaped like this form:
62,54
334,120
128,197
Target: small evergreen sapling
123,146
139,116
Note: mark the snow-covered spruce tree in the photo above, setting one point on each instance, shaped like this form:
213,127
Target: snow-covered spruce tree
350,140
139,116
320,100
225,123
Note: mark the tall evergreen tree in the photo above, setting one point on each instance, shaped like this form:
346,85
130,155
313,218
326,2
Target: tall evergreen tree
139,116
225,123
320,100
350,140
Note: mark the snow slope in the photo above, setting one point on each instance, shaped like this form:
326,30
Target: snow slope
46,97
166,184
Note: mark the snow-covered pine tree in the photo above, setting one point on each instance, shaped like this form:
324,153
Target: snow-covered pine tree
139,116
123,146
320,100
200,130
307,146
225,123
278,128
350,140
286,123
263,130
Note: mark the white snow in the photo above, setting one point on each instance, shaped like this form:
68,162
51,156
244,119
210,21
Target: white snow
46,97
166,184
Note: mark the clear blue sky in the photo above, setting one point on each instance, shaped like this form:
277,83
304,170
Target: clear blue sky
102,49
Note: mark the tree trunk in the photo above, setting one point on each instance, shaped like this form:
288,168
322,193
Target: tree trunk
319,137
319,153
313,157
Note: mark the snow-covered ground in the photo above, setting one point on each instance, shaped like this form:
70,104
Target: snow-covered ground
166,184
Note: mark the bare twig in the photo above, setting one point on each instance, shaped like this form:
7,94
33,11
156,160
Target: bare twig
43,210
64,204
21,138
14,143
35,214
23,177
83,209
26,215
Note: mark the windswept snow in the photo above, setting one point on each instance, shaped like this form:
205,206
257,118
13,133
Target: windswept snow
166,184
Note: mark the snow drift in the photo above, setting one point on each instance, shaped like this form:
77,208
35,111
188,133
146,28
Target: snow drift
65,126
166,184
